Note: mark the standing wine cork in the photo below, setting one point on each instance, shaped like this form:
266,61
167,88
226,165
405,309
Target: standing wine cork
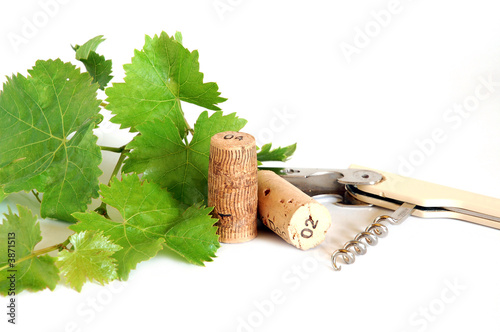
232,185
290,213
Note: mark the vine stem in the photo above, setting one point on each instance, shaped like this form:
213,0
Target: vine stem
113,149
37,196
118,166
189,129
39,252
101,209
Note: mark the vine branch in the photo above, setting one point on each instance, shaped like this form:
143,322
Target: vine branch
121,149
37,196
101,209
37,253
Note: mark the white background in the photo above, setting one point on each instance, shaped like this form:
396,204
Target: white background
282,67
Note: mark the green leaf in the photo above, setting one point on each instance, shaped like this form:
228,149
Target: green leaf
194,236
83,52
33,273
90,258
2,194
278,154
147,212
161,75
97,66
46,139
181,167
178,37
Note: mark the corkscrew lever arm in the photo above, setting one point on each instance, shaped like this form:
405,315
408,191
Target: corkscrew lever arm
319,181
431,200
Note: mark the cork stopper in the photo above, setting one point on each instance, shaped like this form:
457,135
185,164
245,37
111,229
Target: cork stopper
286,210
232,185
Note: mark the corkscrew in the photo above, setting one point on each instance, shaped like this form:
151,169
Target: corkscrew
377,229
405,196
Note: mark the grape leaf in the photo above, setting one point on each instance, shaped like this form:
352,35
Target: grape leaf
2,194
83,51
33,274
97,65
99,68
161,75
181,167
147,212
46,139
178,37
278,154
194,237
89,259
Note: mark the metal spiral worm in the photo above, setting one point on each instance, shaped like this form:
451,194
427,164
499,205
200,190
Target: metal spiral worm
370,236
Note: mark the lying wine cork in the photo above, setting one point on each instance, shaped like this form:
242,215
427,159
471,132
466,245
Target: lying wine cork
286,210
232,185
